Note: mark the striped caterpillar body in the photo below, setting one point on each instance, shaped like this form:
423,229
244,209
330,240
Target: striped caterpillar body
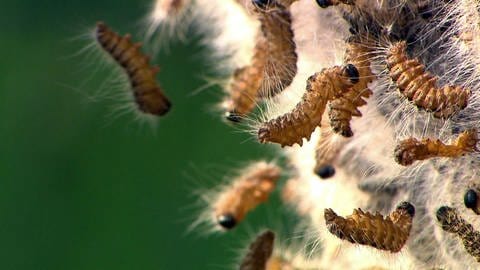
250,189
344,108
245,86
419,86
259,252
363,228
149,97
276,26
411,149
322,87
451,222
471,201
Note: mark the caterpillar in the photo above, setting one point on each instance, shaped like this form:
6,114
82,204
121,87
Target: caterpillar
250,189
470,199
322,87
259,252
148,95
276,26
411,149
345,107
419,86
246,83
451,222
364,228
325,153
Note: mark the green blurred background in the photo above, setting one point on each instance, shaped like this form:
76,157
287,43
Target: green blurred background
80,191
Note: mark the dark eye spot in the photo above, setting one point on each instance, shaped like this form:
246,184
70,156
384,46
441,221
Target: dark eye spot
407,207
262,4
352,73
233,117
326,171
470,199
324,3
227,221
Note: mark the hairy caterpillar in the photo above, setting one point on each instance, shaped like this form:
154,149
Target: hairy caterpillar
149,97
411,149
420,87
471,200
246,83
451,222
325,153
250,189
276,26
322,87
363,228
345,107
259,252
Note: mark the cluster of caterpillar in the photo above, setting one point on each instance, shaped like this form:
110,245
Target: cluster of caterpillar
411,149
149,97
250,189
363,228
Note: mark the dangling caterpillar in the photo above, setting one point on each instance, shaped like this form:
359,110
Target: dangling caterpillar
411,149
322,87
259,252
345,107
364,228
250,189
451,222
149,97
419,86
326,151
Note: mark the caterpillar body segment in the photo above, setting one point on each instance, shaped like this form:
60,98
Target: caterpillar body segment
250,189
148,95
259,252
452,222
293,126
364,228
281,61
246,83
412,149
345,107
420,86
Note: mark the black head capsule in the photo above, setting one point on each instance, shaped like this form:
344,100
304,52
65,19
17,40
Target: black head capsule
262,4
325,171
471,199
233,117
352,73
324,3
442,214
227,221
408,207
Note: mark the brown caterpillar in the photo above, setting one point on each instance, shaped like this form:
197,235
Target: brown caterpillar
327,3
419,86
471,201
149,97
276,26
325,153
322,87
259,252
345,107
411,149
364,228
451,222
244,88
247,191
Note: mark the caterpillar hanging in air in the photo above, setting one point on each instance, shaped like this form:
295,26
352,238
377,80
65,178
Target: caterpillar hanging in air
420,86
250,189
148,95
322,87
259,252
345,107
451,222
364,228
411,149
